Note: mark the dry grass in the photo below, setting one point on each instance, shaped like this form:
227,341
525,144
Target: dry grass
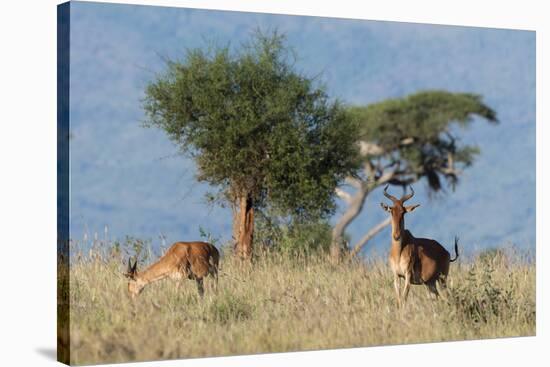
284,303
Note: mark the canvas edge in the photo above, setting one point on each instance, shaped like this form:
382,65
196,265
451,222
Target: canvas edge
63,114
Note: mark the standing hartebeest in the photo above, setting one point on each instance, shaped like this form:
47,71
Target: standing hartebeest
418,260
192,260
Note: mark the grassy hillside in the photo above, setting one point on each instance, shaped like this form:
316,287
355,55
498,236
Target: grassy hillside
284,303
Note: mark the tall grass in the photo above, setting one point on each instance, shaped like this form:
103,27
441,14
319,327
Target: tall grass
288,303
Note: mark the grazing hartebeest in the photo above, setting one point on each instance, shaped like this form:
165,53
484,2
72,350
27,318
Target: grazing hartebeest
192,260
418,260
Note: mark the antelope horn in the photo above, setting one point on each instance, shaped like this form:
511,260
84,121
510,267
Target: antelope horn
391,197
408,196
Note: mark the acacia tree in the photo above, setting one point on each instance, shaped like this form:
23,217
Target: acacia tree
265,135
403,141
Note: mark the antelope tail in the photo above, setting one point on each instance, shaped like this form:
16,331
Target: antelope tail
456,250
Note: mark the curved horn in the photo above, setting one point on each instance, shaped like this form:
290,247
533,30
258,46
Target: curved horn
392,198
135,266
408,196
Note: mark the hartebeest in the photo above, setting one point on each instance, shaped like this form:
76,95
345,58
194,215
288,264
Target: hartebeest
192,260
418,260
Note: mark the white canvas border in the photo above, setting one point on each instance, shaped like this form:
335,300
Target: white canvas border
28,154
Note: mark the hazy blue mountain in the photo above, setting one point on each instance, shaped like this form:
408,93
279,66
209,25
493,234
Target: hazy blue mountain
131,179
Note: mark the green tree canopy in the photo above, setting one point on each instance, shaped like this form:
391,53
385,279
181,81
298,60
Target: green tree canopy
417,135
263,133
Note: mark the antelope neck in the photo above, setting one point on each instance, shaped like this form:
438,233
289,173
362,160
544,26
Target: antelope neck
397,244
151,274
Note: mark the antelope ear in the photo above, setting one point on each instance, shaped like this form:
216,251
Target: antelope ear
131,271
385,207
410,208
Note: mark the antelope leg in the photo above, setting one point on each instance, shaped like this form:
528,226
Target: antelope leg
432,289
397,286
407,287
200,286
443,286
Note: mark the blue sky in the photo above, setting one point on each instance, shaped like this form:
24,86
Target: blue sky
131,179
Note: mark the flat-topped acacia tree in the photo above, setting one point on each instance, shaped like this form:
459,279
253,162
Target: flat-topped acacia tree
261,132
404,141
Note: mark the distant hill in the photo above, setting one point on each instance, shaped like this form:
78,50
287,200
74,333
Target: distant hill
131,179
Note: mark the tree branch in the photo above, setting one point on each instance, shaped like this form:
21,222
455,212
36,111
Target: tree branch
369,169
366,148
343,195
355,182
370,234
406,141
450,169
386,177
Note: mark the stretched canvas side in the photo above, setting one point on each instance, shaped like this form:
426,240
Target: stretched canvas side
63,309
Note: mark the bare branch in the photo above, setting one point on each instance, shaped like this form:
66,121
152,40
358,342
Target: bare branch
355,182
391,164
402,181
354,208
343,195
406,141
369,170
450,160
450,169
366,148
386,177
370,234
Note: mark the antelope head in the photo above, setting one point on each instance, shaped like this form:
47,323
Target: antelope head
398,211
134,285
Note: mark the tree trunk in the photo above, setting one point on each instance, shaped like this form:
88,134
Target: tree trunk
355,206
236,223
243,227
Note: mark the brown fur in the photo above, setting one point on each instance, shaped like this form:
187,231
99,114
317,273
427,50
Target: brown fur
192,260
418,260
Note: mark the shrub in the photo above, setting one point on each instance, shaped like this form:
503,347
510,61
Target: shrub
229,308
298,238
480,298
